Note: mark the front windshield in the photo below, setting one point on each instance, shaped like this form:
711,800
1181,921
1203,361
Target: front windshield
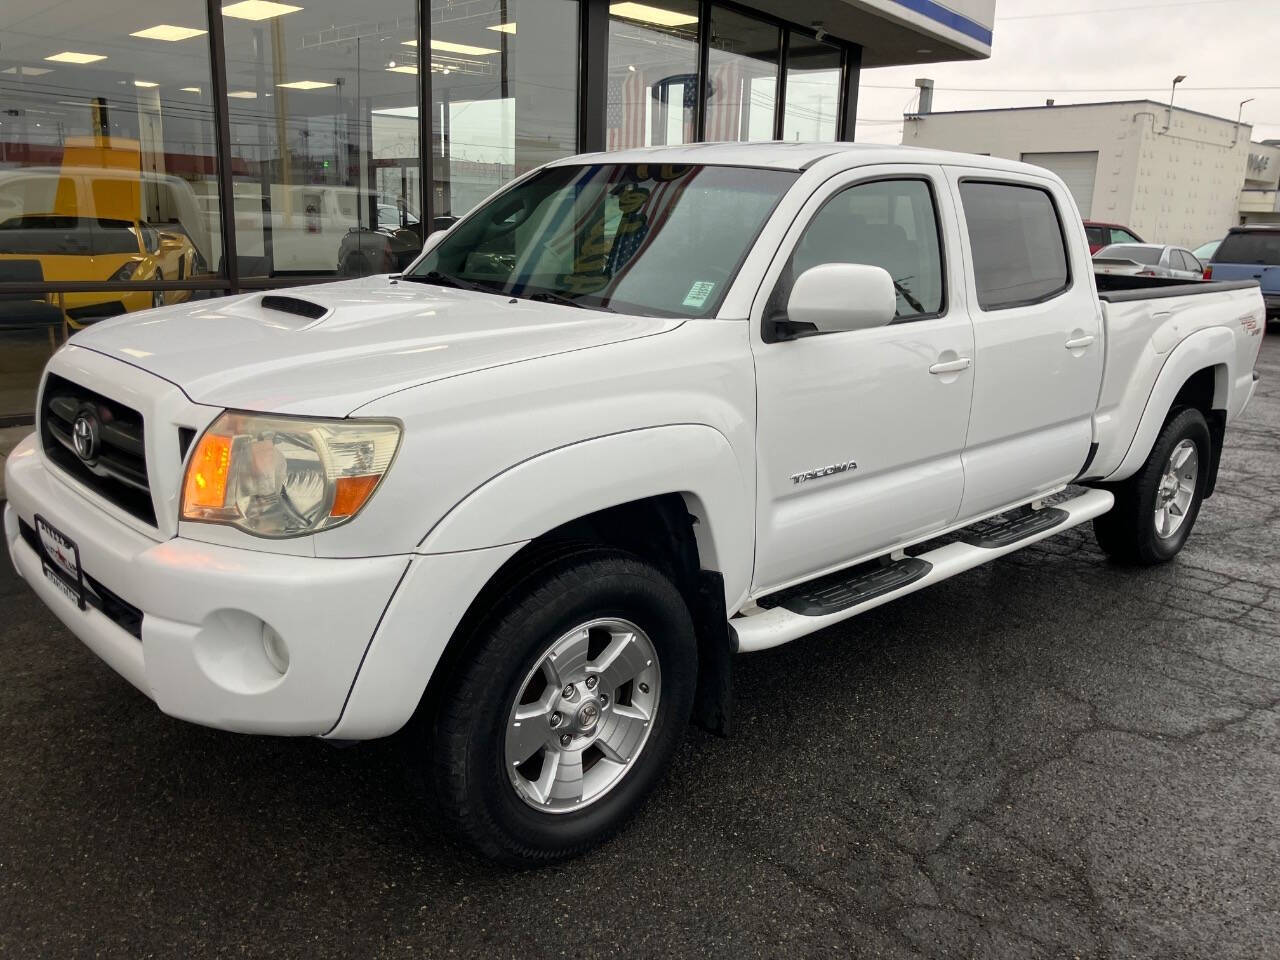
649,239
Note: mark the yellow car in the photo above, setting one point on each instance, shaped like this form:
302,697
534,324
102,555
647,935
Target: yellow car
58,248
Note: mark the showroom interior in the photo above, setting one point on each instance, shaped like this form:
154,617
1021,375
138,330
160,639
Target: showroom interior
156,152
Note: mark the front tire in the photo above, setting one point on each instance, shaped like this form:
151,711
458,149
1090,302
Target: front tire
1156,508
575,692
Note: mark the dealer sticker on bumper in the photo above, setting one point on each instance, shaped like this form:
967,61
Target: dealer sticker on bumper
61,561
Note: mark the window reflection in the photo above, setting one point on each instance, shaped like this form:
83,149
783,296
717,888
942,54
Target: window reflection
653,67
107,168
504,88
324,129
813,90
742,77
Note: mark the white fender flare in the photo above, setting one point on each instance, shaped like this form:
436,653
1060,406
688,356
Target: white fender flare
553,488
1213,347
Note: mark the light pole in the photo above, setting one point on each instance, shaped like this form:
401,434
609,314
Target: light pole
1239,117
1173,90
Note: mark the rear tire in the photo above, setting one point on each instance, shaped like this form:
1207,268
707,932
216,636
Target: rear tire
529,775
1156,508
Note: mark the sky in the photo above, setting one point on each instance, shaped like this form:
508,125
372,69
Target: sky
1085,51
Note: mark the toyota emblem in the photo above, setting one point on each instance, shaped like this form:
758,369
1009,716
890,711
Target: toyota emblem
84,434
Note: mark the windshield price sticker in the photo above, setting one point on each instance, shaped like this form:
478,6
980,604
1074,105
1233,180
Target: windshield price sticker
698,293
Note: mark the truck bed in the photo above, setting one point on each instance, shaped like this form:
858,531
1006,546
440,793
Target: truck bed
1118,288
1146,320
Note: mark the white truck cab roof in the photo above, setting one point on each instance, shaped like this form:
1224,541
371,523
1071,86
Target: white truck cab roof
781,155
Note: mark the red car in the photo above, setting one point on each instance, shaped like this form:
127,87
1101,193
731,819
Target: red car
1104,234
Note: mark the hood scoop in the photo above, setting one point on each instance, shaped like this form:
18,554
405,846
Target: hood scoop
296,306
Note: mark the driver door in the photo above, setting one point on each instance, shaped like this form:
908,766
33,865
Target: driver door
860,433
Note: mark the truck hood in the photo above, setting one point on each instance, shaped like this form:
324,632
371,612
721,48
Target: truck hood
327,350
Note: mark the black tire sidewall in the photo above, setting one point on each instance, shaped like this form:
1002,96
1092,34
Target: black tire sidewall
595,587
1186,425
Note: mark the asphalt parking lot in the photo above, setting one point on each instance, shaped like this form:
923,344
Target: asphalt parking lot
1049,756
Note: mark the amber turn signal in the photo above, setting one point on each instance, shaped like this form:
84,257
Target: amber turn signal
206,484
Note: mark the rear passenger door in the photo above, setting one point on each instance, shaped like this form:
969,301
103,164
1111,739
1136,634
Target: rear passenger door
1037,338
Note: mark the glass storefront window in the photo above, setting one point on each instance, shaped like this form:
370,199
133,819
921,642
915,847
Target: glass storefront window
504,91
653,69
107,166
323,107
742,77
813,90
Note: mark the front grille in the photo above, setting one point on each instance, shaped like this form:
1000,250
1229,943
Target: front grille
117,470
111,605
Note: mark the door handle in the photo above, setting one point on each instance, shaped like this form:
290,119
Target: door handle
951,366
1079,343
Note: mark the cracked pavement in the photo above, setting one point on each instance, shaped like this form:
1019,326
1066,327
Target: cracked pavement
1046,757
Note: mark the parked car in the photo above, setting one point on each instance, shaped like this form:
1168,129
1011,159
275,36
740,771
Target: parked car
1104,234
69,248
1204,253
632,415
1251,253
1148,260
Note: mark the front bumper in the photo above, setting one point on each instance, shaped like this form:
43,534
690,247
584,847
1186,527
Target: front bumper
1272,301
201,655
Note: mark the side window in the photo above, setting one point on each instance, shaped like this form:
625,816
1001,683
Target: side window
886,223
1019,255
1193,262
1123,236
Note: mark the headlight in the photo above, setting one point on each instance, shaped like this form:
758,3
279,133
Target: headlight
126,272
285,476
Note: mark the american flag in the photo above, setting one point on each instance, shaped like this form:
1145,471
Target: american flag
725,101
625,110
630,245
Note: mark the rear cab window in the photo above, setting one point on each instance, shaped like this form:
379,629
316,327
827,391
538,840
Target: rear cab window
1017,242
1262,247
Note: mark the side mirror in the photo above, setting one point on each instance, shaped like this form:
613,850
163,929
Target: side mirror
442,222
843,296
170,241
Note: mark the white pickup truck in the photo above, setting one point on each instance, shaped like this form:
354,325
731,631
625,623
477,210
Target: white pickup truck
636,413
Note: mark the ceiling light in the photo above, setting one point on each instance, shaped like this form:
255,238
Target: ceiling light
243,95
145,84
451,47
648,14
305,85
68,56
190,89
27,71
165,31
503,27
403,68
258,10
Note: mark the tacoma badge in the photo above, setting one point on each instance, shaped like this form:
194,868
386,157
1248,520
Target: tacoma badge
824,471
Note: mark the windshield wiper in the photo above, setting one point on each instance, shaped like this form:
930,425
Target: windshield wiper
549,296
439,279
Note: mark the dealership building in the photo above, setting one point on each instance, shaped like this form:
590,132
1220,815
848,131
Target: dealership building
153,151
1171,175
